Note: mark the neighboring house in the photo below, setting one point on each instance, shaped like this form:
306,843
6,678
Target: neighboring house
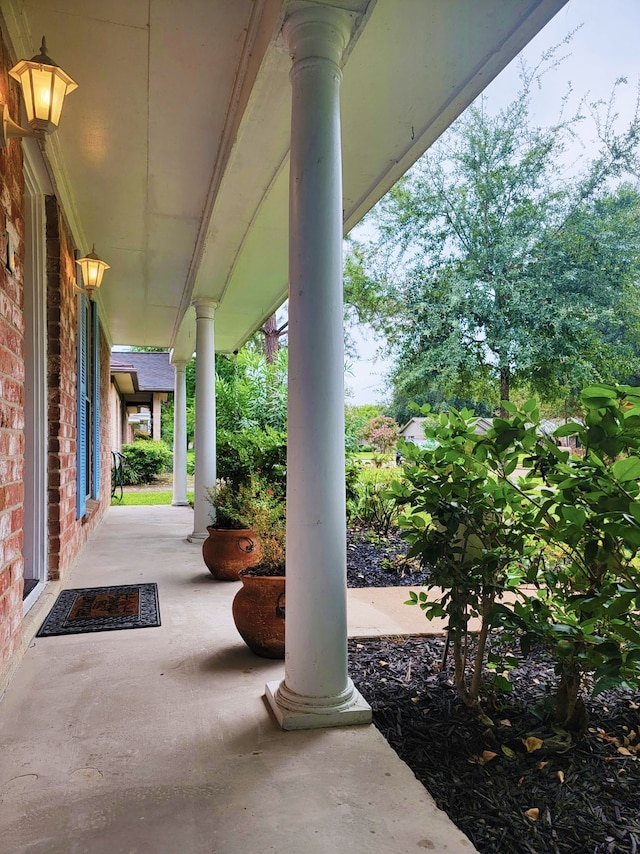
140,384
174,155
413,430
549,425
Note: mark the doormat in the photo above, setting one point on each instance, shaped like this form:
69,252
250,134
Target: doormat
103,609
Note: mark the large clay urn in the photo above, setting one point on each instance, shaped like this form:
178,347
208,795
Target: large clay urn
258,612
227,551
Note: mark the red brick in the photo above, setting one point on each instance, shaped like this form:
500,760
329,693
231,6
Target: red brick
5,579
14,494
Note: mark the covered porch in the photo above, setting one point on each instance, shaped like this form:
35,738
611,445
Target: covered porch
158,739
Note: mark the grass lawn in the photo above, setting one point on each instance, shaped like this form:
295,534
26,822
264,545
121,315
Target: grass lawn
150,497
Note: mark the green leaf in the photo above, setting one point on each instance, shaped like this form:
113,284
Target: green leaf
598,392
628,468
502,683
569,429
574,514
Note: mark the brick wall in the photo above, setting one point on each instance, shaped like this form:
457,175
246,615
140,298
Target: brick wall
11,382
66,533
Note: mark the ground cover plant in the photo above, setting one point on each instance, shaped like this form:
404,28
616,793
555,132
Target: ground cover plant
146,497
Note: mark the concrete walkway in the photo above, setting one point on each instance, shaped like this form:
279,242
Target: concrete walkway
158,740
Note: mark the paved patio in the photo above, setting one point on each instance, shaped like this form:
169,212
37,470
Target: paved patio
158,740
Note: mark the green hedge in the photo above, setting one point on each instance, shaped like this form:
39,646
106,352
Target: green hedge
144,460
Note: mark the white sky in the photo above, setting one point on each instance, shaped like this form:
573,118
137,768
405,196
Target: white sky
605,48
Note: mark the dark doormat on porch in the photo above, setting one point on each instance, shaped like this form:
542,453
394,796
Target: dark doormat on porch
103,609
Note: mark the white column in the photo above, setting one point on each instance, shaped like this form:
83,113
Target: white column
156,417
180,435
205,438
316,691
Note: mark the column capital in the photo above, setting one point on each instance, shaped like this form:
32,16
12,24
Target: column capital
179,364
317,32
205,307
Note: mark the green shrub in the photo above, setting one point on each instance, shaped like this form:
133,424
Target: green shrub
570,527
242,454
588,613
368,504
144,460
472,527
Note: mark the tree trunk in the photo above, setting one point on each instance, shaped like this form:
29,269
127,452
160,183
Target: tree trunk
272,334
474,691
571,713
505,377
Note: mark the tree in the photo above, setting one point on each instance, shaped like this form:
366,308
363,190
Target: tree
250,391
382,433
494,271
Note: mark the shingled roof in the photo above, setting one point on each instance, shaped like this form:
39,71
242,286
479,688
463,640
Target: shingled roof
154,371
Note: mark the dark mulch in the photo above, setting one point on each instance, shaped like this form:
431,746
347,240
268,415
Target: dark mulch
587,794
380,561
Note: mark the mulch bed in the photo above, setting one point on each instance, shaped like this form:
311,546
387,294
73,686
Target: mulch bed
380,561
564,797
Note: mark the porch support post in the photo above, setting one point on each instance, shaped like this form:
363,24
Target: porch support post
180,435
205,433
316,691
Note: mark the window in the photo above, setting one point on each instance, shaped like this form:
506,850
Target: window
88,404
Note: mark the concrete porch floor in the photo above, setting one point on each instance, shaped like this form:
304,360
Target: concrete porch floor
158,740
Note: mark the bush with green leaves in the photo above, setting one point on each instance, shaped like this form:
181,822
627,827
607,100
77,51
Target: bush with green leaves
467,522
368,503
242,454
588,609
144,460
570,528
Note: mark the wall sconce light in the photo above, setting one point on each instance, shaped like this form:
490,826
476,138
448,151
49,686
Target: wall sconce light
44,86
92,271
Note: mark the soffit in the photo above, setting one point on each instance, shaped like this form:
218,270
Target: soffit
173,153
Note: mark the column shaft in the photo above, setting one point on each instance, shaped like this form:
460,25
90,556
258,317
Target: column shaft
180,435
316,690
205,430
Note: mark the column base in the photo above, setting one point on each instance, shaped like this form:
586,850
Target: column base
197,537
294,711
180,504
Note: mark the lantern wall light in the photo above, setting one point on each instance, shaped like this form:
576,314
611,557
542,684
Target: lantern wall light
93,269
44,86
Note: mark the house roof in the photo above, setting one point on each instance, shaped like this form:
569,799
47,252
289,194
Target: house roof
482,424
150,371
416,420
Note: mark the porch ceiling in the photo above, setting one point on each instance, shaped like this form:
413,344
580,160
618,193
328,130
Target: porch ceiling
173,153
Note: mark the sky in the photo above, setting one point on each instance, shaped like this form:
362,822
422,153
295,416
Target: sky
606,47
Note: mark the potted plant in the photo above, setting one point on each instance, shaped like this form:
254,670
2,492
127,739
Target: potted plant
259,606
232,544
245,461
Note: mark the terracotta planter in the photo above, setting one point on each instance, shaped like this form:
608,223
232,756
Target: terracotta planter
258,612
228,551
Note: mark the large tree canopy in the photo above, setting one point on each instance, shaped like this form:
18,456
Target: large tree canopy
498,266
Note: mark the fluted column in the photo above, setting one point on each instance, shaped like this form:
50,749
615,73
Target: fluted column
316,690
205,433
180,435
